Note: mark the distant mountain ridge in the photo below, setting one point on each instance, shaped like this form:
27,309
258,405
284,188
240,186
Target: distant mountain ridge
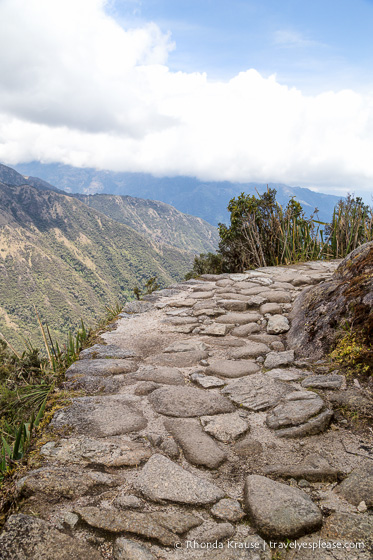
206,199
70,260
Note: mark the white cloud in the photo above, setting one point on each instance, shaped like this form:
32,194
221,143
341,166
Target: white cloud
79,88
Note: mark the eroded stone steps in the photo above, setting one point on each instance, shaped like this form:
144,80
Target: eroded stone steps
200,432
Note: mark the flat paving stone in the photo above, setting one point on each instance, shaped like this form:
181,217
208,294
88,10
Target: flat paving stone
225,427
233,304
250,350
279,511
296,408
256,392
62,482
277,359
287,374
198,448
272,308
186,346
277,296
26,537
138,307
187,402
178,359
228,510
101,367
109,452
163,375
245,330
232,368
216,330
358,486
239,318
313,468
125,549
349,526
314,426
207,381
332,381
105,351
138,523
277,324
161,480
100,416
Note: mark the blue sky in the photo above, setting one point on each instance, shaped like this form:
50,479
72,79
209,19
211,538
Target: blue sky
267,91
313,45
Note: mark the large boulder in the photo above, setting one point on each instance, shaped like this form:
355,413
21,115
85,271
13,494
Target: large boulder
320,311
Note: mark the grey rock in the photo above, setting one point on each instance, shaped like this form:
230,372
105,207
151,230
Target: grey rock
276,296
162,375
177,521
138,307
279,511
245,330
128,501
277,324
125,549
238,277
277,359
211,532
248,447
223,282
358,486
170,448
225,427
70,519
203,295
272,308
198,448
216,330
29,538
145,388
161,480
207,382
232,368
277,346
101,416
186,346
233,305
257,392
313,468
100,367
105,351
186,302
250,350
345,298
331,381
187,402
239,318
228,510
60,482
178,359
138,523
349,526
288,374
314,426
109,452
296,408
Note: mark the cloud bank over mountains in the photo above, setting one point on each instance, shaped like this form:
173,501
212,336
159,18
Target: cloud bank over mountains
79,88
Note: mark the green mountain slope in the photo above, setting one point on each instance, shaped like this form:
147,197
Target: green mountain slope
70,261
157,220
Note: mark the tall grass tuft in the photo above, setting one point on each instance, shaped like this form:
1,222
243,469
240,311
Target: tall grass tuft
262,233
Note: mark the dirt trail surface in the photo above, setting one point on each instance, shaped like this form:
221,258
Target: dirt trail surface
201,436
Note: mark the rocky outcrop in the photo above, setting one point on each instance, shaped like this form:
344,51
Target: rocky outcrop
320,312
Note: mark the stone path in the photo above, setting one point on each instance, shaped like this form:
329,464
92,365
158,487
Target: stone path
200,436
